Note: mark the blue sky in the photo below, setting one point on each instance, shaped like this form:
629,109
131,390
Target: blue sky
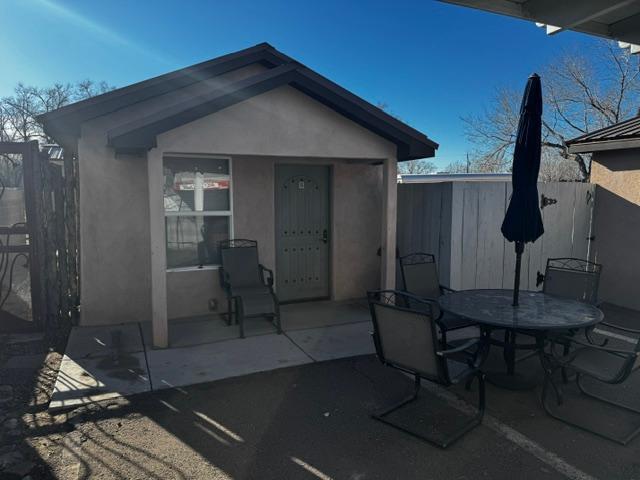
430,62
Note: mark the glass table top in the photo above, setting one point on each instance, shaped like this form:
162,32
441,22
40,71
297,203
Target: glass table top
536,310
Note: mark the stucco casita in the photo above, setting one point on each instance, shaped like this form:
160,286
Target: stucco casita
258,114
287,127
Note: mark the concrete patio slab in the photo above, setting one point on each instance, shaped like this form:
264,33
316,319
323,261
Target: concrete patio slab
300,316
112,361
93,342
87,380
177,367
339,341
210,329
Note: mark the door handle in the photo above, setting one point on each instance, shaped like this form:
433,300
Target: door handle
325,236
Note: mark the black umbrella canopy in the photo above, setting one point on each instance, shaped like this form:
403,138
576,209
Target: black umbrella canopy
523,221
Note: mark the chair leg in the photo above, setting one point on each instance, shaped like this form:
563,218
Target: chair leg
402,403
602,399
240,316
565,375
229,311
276,317
442,443
509,352
476,420
623,440
468,384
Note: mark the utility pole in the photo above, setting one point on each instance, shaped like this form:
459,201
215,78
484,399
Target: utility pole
467,162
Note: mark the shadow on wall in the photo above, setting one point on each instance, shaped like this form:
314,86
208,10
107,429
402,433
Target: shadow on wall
616,247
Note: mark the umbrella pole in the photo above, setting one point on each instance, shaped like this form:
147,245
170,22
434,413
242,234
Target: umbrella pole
516,281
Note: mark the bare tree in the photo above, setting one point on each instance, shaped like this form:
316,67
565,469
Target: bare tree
413,167
18,117
479,162
416,167
582,93
18,111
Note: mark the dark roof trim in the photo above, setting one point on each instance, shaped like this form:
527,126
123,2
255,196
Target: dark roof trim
412,144
590,147
140,135
622,135
74,114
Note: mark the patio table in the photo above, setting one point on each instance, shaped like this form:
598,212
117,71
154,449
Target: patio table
537,314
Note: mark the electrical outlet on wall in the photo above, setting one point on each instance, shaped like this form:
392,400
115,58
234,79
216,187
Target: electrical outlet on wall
213,304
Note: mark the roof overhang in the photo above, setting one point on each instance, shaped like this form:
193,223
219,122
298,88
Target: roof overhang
139,135
612,19
63,124
589,147
619,136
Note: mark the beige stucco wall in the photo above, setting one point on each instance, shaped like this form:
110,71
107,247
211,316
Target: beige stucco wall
617,225
114,234
355,227
280,125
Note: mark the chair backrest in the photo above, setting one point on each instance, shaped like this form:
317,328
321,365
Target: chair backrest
240,262
406,338
572,278
420,275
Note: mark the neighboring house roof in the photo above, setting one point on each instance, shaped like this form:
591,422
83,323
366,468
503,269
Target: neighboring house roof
622,135
140,134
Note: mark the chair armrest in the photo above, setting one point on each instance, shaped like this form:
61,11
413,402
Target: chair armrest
451,351
474,359
596,347
446,290
269,279
622,329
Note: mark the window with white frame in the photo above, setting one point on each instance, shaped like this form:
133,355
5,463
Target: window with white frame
197,206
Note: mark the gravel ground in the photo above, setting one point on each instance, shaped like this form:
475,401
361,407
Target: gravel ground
26,396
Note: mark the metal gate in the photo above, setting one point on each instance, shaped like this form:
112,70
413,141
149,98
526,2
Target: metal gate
38,238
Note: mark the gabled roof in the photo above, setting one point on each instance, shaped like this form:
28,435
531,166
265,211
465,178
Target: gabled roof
140,134
74,114
614,137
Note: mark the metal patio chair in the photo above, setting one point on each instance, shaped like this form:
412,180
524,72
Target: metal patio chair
572,278
247,284
406,338
419,273
605,365
575,279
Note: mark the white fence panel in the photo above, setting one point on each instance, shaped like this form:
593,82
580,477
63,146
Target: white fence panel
460,223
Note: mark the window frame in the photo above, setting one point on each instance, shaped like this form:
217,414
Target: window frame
206,213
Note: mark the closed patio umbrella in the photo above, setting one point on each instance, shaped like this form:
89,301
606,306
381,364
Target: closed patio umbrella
523,221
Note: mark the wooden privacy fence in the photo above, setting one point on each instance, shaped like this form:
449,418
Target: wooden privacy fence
460,223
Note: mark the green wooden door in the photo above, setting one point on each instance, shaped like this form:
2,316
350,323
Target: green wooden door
302,232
